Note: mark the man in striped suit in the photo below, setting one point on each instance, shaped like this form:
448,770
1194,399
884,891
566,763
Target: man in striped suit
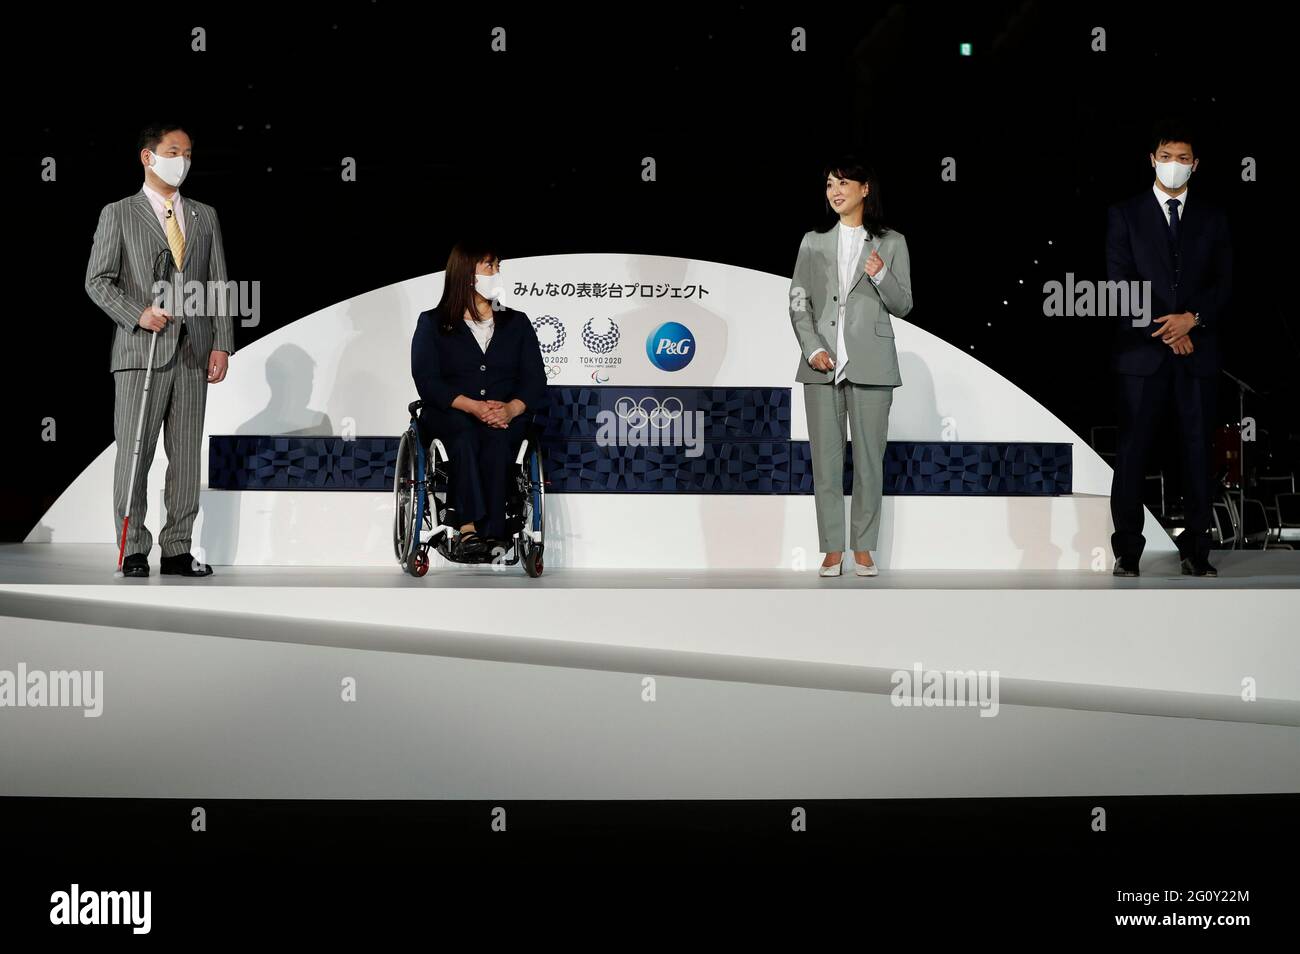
151,236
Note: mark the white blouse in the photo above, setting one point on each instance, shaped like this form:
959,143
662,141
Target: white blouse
482,330
851,239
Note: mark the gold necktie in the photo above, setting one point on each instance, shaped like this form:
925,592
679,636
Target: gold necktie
175,238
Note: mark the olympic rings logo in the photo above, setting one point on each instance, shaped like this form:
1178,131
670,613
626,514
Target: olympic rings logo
648,410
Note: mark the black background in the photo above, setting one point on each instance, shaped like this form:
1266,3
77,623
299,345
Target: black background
543,146
970,870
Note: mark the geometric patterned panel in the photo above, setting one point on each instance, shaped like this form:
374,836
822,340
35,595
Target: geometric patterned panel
1002,469
744,444
243,462
737,467
246,462
987,468
745,413
571,413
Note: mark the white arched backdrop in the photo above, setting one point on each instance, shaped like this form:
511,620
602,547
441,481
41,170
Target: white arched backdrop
346,369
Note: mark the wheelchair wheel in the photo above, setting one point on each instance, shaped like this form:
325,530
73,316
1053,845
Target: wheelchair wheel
537,478
408,503
532,529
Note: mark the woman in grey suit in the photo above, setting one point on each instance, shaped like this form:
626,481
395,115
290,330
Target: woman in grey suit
847,282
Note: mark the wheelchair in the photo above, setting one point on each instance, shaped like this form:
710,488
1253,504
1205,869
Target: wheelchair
421,512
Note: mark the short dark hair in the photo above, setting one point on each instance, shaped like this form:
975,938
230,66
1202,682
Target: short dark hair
150,136
1172,130
850,166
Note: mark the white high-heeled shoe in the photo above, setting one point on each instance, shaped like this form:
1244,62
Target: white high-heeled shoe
861,570
830,570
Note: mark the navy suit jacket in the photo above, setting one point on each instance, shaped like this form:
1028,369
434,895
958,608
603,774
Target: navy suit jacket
1137,249
445,364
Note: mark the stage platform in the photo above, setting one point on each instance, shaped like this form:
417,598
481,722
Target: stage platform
482,683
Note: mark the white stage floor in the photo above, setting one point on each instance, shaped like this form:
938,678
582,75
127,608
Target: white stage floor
93,564
764,684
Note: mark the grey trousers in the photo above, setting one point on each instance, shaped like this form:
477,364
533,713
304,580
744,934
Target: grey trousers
178,393
865,408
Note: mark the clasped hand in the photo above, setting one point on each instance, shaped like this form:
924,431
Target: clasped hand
494,413
1174,331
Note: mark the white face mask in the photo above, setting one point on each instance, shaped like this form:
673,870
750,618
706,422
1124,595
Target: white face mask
490,287
170,169
1173,175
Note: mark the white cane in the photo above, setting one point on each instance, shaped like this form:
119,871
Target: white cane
139,424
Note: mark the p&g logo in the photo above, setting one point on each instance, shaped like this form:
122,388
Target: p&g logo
671,346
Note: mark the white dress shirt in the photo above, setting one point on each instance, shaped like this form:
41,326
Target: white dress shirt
1162,197
482,330
851,241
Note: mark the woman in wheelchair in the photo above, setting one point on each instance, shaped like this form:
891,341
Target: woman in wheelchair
479,372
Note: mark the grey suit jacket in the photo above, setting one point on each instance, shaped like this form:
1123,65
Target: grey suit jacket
868,332
119,278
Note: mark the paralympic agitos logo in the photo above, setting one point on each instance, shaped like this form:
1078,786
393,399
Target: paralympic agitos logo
601,344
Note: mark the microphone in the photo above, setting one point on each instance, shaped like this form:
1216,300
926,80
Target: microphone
162,265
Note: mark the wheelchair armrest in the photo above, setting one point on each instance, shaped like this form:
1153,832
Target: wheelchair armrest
532,438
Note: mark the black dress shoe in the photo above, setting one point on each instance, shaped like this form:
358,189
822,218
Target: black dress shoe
1126,566
183,564
135,564
1198,568
470,546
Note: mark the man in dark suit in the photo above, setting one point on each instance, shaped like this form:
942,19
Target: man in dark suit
1184,250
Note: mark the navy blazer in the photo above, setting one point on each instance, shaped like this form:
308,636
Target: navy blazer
1137,249
451,363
